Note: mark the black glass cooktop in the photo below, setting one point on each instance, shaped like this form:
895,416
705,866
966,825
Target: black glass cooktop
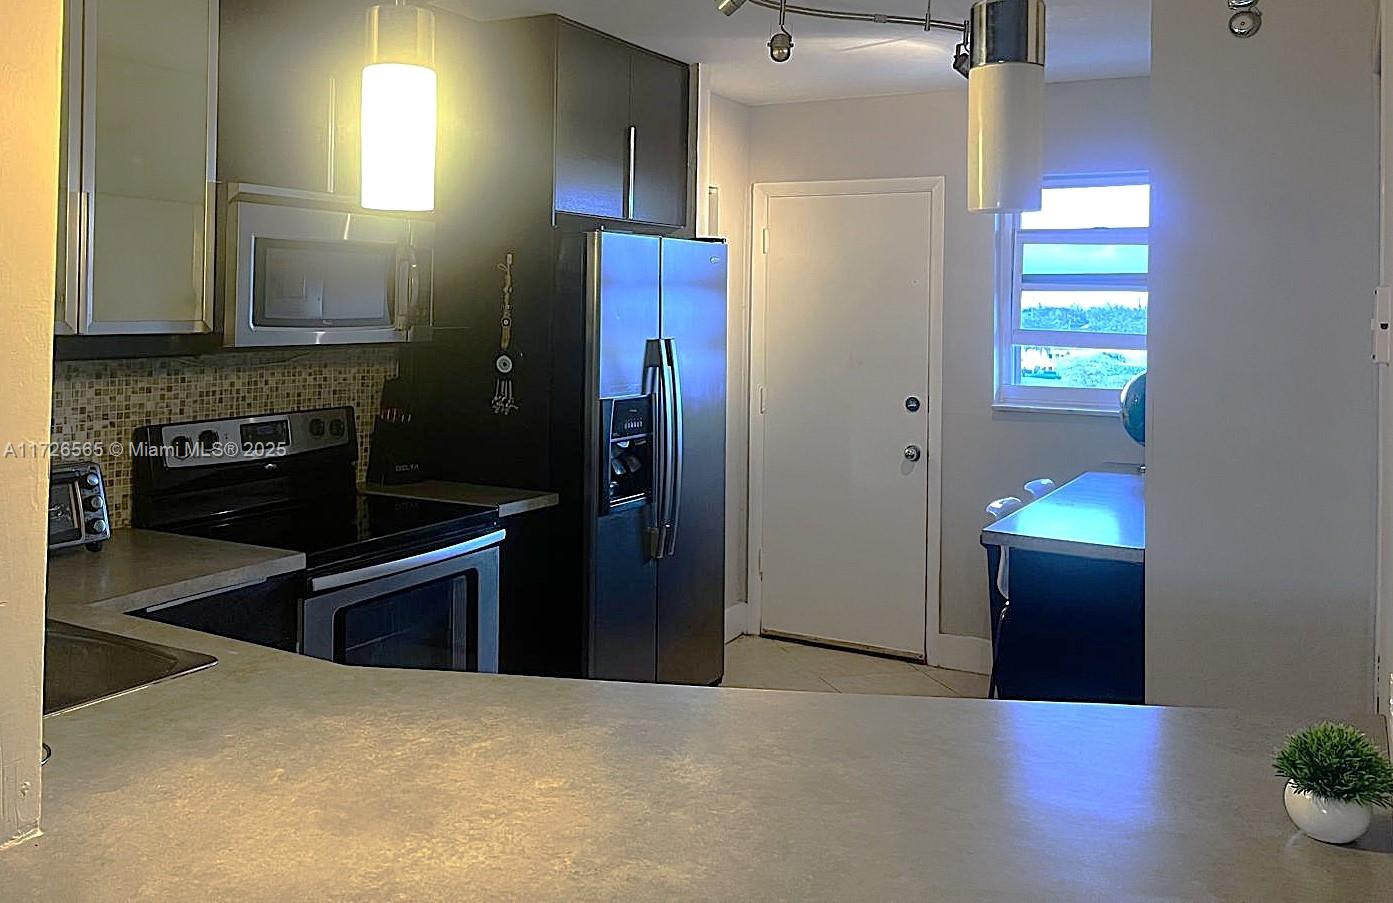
352,531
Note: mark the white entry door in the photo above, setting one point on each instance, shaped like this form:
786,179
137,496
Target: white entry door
844,505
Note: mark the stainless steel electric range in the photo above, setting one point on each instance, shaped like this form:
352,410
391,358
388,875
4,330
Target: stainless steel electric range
389,582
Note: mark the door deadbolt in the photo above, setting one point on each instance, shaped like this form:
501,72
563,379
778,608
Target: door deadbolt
911,404
913,453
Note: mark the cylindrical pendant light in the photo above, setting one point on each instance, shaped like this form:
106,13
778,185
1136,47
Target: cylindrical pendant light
1005,105
399,110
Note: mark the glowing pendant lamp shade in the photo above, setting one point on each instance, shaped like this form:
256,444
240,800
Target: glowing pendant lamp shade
399,110
1005,104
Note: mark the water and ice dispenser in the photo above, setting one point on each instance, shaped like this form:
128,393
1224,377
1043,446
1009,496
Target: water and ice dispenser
627,428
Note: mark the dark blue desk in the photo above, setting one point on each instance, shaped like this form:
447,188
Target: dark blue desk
1075,631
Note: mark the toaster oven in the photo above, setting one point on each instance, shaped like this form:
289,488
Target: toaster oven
77,514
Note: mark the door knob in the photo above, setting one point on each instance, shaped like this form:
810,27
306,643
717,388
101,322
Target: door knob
913,453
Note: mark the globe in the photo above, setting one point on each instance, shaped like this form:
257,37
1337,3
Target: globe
1134,408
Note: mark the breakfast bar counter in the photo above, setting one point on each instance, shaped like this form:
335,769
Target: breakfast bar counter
272,776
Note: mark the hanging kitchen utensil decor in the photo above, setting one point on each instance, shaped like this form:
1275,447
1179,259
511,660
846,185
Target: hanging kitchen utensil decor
503,402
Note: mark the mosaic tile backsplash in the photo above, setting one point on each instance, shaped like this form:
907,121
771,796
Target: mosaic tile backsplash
105,401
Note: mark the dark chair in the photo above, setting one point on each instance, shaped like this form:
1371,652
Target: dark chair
998,581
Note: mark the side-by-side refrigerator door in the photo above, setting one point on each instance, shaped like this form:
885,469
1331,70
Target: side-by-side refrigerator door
691,571
622,300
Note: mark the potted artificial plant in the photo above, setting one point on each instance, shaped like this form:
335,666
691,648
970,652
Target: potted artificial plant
1335,776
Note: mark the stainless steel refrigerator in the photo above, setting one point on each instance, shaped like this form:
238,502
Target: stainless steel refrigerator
638,450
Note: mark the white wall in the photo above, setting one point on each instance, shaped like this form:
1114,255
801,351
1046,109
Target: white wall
1262,484
727,128
1093,126
29,61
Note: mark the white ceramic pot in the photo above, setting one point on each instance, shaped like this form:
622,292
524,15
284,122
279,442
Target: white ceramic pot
1327,820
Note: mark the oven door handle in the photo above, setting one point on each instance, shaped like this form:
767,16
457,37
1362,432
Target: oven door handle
401,565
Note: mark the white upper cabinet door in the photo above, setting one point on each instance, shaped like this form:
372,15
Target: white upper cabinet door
138,228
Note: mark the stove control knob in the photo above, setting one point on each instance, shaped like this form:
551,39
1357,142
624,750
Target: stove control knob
316,427
96,526
93,503
91,481
336,428
182,446
207,440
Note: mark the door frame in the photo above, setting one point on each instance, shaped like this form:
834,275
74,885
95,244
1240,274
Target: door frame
1383,572
934,187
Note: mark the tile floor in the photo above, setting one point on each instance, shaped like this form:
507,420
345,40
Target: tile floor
763,663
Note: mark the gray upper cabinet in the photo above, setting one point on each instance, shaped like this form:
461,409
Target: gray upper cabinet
621,130
136,213
658,98
288,94
592,124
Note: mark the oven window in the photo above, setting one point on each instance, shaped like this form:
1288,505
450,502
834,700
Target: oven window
314,285
63,523
414,628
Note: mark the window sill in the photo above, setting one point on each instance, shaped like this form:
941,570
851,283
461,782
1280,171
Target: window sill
1039,408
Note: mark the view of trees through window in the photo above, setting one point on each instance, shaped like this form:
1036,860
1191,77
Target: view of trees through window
1079,368
1078,303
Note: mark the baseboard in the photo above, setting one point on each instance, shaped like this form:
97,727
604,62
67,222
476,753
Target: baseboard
736,617
962,653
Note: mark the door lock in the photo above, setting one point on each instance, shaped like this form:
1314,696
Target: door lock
913,453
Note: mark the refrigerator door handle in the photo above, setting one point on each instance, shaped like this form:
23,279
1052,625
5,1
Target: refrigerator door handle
655,386
675,456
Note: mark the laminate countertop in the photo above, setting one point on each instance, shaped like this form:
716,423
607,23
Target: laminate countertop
273,777
509,502
140,568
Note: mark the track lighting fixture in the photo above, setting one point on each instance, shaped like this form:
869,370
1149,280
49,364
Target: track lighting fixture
781,46
1002,56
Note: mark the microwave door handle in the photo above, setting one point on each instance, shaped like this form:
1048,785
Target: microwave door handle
413,294
674,382
655,386
402,291
408,288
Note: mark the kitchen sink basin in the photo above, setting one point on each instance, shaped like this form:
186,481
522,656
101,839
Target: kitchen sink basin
83,666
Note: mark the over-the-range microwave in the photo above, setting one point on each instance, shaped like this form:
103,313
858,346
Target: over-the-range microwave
301,268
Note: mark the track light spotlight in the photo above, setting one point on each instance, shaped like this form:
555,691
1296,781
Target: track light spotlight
781,46
1002,56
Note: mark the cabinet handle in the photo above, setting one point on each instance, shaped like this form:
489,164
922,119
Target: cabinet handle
65,283
332,135
80,307
629,191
